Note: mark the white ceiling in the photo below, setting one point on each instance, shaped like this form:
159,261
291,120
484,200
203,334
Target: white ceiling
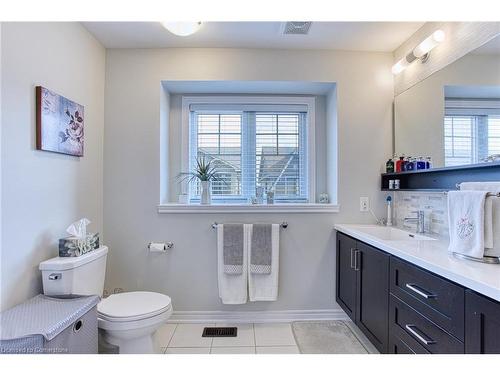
354,36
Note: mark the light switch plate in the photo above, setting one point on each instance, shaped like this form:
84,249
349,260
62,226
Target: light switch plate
364,204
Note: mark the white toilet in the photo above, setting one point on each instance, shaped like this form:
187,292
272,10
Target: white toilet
127,320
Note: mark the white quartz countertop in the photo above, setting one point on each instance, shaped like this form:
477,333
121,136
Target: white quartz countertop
434,256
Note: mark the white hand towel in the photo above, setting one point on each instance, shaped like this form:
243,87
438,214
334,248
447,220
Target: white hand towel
232,287
466,221
492,187
488,207
264,287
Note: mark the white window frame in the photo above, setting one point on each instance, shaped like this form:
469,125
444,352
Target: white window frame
307,101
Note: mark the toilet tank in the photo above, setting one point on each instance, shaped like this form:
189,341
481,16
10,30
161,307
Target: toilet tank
83,275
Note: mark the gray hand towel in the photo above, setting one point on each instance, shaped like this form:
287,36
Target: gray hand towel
261,249
233,248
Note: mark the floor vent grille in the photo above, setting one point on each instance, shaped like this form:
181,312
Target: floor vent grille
220,332
296,28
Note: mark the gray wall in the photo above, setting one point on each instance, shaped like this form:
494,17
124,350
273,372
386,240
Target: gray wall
134,165
43,192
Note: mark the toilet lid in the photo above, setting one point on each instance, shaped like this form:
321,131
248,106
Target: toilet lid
133,305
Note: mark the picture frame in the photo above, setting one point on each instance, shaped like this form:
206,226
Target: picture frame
59,123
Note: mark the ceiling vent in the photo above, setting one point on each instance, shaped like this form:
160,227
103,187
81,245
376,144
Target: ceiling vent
296,28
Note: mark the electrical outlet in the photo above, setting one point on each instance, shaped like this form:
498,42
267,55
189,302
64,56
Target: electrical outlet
364,204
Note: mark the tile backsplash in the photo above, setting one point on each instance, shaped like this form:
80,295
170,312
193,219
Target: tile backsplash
434,205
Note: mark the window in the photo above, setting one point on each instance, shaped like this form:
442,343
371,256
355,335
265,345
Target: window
460,140
471,131
254,147
217,137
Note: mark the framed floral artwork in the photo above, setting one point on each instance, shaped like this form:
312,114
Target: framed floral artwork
59,123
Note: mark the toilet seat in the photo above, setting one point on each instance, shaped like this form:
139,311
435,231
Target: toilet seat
131,325
133,306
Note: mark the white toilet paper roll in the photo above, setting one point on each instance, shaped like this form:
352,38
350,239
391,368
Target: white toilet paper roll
157,247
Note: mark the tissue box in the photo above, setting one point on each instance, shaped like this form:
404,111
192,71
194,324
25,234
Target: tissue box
75,246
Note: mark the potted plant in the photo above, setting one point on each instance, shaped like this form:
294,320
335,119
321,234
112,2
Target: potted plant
204,171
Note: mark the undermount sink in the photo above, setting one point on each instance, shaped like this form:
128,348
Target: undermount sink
393,234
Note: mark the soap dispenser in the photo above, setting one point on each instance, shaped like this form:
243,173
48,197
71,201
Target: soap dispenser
389,211
389,166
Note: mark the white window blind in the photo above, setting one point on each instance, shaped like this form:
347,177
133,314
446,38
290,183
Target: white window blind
216,137
251,149
493,135
471,130
459,140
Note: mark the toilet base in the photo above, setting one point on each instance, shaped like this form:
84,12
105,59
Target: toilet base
134,337
137,345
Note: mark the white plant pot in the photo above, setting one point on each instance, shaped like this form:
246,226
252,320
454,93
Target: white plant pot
206,192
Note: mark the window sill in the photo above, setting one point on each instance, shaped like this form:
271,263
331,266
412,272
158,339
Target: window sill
171,208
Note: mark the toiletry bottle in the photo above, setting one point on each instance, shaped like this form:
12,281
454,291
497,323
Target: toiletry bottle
428,163
409,164
421,163
389,166
399,164
389,211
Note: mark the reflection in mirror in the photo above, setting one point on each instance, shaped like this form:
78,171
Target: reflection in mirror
453,116
471,124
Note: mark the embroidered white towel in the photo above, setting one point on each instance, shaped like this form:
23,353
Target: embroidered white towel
466,221
488,207
264,287
233,288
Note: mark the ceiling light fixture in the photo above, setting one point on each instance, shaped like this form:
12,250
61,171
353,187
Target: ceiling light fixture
419,52
182,28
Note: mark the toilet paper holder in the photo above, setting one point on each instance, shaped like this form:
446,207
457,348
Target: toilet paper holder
164,246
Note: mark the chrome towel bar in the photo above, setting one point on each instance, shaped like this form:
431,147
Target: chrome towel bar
457,185
283,225
489,194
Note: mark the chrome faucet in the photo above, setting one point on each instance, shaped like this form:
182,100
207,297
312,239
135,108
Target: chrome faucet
419,220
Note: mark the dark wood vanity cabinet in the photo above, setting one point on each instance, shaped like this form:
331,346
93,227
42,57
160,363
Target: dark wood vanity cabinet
482,324
402,308
363,288
346,275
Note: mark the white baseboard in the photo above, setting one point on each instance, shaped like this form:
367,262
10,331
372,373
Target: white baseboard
255,316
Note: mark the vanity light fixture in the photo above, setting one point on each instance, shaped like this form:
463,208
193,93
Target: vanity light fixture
182,28
419,52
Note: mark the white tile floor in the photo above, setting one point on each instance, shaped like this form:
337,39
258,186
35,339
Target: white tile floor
275,338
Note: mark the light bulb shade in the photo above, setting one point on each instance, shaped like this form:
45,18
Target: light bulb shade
429,43
182,28
400,66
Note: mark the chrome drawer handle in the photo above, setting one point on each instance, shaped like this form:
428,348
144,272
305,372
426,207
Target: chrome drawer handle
352,257
55,276
420,291
357,260
412,329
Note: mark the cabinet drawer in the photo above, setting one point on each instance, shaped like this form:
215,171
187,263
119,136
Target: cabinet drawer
437,299
404,319
402,343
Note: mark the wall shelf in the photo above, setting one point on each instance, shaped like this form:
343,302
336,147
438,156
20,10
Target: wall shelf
441,179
